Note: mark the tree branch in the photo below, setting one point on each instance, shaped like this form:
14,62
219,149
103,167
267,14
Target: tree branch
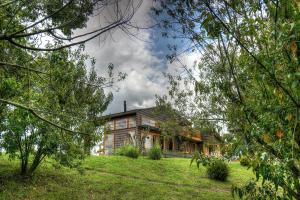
272,76
32,111
68,45
7,3
22,67
45,18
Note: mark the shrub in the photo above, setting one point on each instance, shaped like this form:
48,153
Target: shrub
244,160
132,152
218,170
127,150
155,152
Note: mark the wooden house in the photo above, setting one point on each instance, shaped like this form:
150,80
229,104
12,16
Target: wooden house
141,126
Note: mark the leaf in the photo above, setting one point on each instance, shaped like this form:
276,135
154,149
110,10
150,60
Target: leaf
289,117
279,134
266,138
294,47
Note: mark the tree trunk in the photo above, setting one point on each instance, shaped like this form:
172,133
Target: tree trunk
37,160
87,145
24,164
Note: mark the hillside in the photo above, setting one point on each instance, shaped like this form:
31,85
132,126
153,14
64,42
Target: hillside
119,178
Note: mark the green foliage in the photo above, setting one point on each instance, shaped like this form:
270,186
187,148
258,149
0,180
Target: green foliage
247,78
128,150
132,152
70,98
50,104
173,120
245,161
155,152
252,190
218,170
230,147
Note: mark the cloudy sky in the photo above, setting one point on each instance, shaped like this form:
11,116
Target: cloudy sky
142,58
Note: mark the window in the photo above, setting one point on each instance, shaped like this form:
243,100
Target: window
121,123
131,122
148,121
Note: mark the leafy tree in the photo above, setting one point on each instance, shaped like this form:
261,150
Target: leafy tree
176,123
70,91
25,22
248,78
50,105
173,120
30,28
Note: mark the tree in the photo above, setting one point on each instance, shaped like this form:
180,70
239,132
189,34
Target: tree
49,104
26,22
248,77
30,28
71,99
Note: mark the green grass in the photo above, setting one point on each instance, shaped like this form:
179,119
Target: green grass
119,178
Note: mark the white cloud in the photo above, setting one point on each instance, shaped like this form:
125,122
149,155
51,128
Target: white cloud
136,58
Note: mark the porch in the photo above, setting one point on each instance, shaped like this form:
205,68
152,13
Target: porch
180,146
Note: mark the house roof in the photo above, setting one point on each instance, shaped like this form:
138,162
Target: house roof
149,112
129,112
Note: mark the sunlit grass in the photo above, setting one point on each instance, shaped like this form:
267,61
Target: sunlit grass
119,178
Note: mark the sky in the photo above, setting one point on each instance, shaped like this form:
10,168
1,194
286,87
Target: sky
142,57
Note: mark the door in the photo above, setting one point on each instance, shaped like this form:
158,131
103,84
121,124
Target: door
148,142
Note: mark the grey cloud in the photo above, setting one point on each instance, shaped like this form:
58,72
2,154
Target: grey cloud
132,56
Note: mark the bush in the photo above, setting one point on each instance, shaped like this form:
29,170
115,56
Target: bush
119,151
218,170
155,152
132,152
244,160
128,150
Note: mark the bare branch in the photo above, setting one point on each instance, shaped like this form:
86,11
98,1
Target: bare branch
102,85
45,18
71,44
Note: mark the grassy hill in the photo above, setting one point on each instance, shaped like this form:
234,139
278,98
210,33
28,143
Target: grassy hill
119,178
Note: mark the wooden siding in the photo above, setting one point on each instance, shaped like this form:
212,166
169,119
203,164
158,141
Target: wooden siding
138,123
120,136
191,144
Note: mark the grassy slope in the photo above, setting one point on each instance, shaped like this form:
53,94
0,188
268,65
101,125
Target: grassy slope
120,178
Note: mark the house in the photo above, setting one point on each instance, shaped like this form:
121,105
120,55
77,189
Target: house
141,127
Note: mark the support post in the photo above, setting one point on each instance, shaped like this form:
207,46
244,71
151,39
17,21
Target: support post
173,144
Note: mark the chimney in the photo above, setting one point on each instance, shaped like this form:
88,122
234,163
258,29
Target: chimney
125,109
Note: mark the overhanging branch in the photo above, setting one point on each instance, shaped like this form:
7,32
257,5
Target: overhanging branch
68,45
32,111
21,67
272,76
